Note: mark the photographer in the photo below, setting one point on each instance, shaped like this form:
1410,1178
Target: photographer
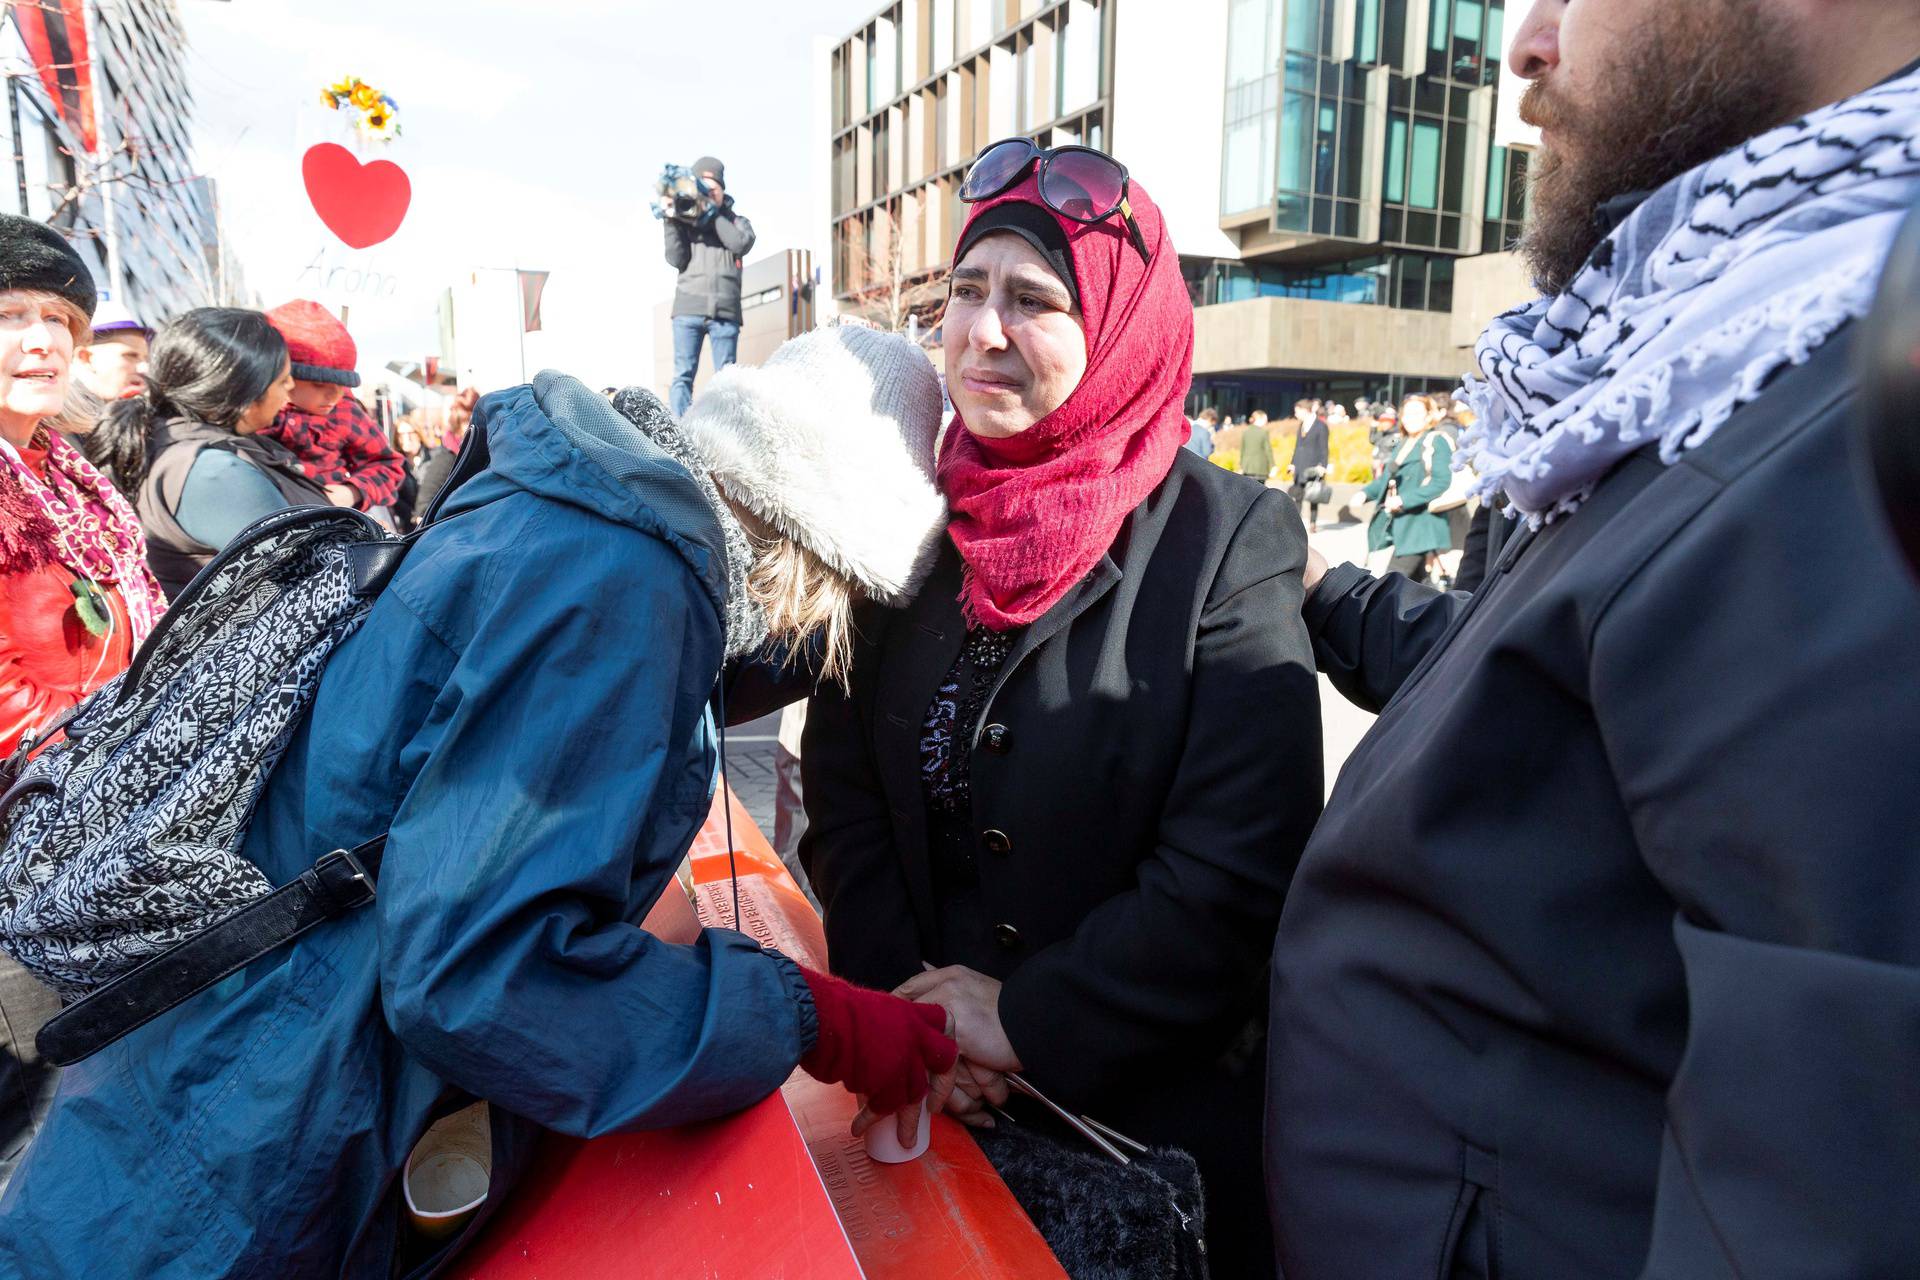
707,251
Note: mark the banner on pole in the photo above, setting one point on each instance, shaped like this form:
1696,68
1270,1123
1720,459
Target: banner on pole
55,34
532,285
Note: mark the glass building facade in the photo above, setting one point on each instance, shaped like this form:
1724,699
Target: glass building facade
165,223
1370,121
920,89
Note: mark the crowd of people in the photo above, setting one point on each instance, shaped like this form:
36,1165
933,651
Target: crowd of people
1599,959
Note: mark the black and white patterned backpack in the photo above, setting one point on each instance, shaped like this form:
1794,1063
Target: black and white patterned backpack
119,844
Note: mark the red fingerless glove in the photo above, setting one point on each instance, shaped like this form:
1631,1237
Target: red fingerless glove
876,1044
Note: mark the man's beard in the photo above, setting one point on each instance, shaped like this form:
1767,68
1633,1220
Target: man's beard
1706,76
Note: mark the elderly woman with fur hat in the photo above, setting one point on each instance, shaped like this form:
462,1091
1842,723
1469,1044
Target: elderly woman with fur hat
1073,775
525,715
75,594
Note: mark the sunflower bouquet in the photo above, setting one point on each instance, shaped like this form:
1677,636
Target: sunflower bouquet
379,114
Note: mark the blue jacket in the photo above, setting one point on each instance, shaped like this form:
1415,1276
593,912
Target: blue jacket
525,710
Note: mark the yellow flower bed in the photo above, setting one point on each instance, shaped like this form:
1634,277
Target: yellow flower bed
1350,453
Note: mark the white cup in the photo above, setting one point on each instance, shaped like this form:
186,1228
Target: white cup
448,1172
883,1139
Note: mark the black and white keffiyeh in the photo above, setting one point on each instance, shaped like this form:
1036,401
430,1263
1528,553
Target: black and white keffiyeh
1729,272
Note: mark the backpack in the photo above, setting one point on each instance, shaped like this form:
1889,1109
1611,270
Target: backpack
122,884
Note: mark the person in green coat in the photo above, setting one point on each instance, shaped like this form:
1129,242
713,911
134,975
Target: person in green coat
1256,448
1418,471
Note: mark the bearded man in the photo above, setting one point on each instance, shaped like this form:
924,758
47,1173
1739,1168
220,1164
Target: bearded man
1605,958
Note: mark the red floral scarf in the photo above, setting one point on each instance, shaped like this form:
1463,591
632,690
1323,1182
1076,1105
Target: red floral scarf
1032,514
74,517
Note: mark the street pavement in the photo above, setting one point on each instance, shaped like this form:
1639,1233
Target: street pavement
750,746
750,767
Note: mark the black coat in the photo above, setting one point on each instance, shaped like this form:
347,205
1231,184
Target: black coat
1313,447
1605,959
1146,774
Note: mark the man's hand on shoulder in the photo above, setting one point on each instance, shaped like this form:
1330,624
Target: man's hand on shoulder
1316,569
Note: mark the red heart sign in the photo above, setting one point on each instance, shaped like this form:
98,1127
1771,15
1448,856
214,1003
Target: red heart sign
363,204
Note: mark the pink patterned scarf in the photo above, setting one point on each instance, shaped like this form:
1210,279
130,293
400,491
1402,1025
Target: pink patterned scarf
74,517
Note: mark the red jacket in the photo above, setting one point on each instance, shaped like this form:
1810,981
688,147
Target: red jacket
48,659
344,447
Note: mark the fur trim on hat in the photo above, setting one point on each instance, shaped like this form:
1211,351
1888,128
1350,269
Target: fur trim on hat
831,442
35,256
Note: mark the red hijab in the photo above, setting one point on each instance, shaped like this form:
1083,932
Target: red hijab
1033,513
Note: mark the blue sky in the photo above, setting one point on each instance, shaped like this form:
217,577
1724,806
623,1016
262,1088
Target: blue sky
533,137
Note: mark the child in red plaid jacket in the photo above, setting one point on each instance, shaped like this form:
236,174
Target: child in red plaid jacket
326,427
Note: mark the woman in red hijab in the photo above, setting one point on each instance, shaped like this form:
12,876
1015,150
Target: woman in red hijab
1068,784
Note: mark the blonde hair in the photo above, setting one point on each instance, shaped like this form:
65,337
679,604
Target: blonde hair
800,594
803,597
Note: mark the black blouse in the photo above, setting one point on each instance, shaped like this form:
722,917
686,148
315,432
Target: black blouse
946,773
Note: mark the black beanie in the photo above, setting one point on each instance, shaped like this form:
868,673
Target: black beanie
35,256
1032,223
712,165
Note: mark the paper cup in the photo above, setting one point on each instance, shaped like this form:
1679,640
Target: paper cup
883,1139
449,1171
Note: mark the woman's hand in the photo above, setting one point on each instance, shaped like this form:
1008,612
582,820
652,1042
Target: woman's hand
1394,505
975,1089
974,1001
1316,569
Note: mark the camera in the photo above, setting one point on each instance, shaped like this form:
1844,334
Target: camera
680,195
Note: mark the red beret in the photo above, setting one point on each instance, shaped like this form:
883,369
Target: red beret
318,345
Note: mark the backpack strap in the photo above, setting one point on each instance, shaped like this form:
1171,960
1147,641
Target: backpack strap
333,886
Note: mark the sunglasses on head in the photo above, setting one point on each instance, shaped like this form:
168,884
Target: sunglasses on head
1075,182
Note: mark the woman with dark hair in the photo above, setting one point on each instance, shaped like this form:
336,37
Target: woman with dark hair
1071,778
187,450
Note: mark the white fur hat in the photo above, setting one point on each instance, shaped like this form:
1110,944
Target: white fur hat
831,442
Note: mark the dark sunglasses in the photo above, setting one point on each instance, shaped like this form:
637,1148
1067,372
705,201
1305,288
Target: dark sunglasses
1075,182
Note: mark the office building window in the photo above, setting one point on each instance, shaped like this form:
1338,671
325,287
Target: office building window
1506,210
1252,96
981,24
1322,121
1411,281
943,18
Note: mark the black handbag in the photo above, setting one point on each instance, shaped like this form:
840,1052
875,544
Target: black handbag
1144,1220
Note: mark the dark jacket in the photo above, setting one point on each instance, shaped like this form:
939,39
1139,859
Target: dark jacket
1256,451
1605,959
708,255
1142,779
1312,449
537,744
1418,471
173,553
